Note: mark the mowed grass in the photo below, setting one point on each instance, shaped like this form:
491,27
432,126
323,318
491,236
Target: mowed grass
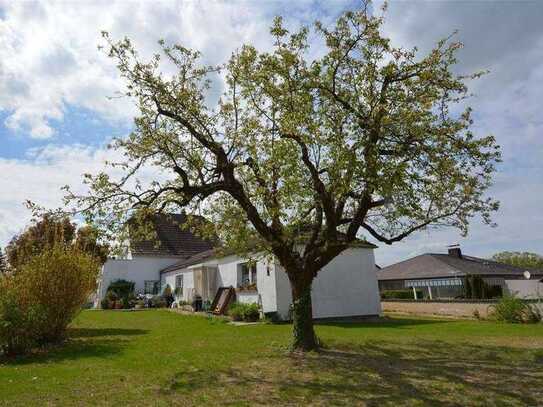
160,358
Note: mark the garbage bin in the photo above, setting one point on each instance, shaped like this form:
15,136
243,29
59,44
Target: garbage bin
197,303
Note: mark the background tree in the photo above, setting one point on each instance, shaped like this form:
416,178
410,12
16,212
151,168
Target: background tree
43,233
50,230
520,259
301,153
88,240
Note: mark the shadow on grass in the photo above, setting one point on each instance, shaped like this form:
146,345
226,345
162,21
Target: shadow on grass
384,322
81,343
98,332
430,373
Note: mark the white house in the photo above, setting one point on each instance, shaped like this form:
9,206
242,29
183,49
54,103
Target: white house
145,259
346,287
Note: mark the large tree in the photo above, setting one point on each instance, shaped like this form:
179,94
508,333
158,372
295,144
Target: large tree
308,147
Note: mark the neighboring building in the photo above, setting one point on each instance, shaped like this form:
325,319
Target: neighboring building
531,289
444,275
346,287
145,259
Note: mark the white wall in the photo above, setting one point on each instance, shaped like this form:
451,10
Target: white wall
530,289
346,287
188,283
228,274
250,297
138,269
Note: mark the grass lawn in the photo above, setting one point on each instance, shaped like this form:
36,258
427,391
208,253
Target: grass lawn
162,358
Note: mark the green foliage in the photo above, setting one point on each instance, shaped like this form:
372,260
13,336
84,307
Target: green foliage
304,143
244,312
105,303
88,241
3,262
514,310
51,230
476,288
520,259
167,292
39,301
20,321
400,294
60,281
121,289
42,234
158,301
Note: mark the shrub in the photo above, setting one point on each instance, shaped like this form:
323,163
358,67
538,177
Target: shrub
476,288
514,310
111,296
167,294
533,314
158,302
59,281
121,288
19,321
125,303
399,294
244,312
104,304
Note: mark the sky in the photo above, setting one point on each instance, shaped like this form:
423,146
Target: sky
59,110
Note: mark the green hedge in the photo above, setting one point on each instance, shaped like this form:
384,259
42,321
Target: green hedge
244,312
122,288
400,294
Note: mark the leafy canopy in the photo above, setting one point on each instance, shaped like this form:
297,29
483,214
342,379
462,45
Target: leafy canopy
520,259
49,230
363,137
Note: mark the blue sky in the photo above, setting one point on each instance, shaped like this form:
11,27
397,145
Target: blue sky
56,115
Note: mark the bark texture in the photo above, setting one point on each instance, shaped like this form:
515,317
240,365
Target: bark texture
304,338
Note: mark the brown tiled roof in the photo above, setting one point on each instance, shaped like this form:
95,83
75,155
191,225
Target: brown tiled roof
432,265
171,239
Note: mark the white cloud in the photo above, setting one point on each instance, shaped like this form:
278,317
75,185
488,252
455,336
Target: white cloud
49,57
39,177
519,221
507,39
49,62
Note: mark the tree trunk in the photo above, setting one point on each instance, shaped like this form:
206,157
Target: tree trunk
302,318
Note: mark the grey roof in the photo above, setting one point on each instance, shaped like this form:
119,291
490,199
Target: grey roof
190,261
211,252
171,239
432,265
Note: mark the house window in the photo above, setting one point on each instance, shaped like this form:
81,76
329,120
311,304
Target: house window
151,287
179,284
248,275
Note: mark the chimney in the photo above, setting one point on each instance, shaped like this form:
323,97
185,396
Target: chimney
454,251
